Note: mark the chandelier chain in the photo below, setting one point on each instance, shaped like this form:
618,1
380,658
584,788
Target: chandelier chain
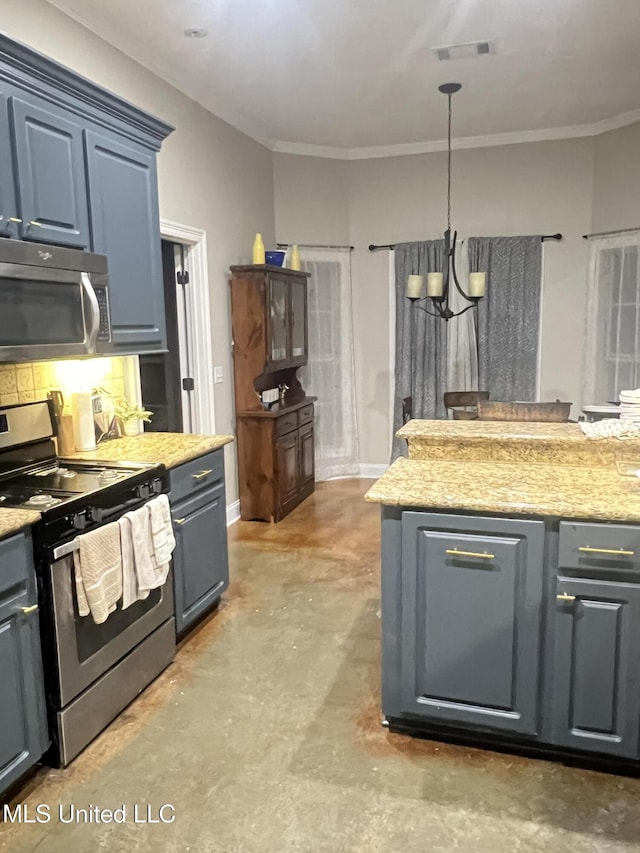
449,169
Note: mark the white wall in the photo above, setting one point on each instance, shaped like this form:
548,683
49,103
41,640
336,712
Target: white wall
211,176
517,189
616,181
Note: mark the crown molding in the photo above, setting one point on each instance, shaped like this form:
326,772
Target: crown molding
490,140
22,63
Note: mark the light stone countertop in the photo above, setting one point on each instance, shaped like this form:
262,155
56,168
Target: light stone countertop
170,448
14,520
520,488
511,441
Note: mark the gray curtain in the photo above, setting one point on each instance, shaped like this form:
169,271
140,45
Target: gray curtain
509,316
421,341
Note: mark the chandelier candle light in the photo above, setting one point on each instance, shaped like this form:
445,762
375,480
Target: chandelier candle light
438,282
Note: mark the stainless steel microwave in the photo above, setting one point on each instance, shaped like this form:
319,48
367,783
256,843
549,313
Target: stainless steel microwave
54,302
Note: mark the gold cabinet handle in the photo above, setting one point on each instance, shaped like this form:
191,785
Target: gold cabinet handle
14,219
179,520
455,553
202,474
619,552
563,596
36,223
31,609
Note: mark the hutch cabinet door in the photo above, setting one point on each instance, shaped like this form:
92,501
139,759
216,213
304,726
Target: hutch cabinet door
125,227
470,624
50,181
595,666
307,458
277,322
287,469
8,204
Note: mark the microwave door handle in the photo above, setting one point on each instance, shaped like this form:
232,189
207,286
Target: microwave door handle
93,327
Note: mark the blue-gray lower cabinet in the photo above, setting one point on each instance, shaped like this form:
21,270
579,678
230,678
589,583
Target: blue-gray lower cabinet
200,559
125,226
50,175
23,720
595,666
471,619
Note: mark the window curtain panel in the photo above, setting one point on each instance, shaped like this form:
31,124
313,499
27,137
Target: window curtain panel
462,344
509,316
421,341
612,340
329,373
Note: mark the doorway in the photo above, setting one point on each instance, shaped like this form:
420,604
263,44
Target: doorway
161,374
178,384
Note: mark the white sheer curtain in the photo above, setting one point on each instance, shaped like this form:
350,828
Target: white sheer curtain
329,374
462,346
612,343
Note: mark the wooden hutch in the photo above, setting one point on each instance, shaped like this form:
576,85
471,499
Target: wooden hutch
276,468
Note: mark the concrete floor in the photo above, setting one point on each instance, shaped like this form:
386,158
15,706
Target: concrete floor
264,734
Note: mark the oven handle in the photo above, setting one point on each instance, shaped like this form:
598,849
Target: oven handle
66,549
94,313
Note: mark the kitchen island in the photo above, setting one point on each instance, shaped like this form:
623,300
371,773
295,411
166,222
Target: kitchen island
511,589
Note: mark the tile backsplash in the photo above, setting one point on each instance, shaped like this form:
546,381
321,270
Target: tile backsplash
26,382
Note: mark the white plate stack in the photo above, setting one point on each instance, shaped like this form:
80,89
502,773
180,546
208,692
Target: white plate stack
630,406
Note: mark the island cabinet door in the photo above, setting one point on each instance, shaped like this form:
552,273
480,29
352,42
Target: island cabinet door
596,666
471,613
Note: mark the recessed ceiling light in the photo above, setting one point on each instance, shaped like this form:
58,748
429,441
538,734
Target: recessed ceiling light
196,32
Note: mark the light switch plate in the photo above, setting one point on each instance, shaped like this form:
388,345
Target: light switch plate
217,375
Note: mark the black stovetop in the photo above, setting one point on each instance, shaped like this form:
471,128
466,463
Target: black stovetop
57,482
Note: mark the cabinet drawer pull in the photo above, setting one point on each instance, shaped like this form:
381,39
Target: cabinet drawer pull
202,474
179,520
455,553
36,223
619,552
31,609
14,219
563,596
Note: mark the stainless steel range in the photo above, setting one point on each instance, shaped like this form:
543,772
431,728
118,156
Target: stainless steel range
92,670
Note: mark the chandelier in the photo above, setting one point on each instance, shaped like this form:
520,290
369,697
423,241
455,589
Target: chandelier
439,283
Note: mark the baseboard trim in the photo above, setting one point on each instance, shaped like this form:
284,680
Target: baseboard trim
372,471
233,513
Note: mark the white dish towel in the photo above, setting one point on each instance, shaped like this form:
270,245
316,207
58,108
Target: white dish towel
161,532
147,545
98,572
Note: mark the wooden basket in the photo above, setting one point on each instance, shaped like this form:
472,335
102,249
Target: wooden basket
493,410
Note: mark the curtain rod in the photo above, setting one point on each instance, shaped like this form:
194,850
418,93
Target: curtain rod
610,233
373,248
313,246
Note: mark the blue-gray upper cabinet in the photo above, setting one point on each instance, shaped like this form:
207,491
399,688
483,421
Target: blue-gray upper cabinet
50,175
23,720
8,204
125,226
471,619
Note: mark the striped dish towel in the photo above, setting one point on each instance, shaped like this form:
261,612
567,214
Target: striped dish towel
98,572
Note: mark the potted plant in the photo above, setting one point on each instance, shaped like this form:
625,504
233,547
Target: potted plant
130,415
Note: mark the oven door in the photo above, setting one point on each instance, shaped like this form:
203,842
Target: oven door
46,313
84,650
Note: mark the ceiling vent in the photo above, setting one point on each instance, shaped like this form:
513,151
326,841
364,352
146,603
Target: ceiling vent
463,51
